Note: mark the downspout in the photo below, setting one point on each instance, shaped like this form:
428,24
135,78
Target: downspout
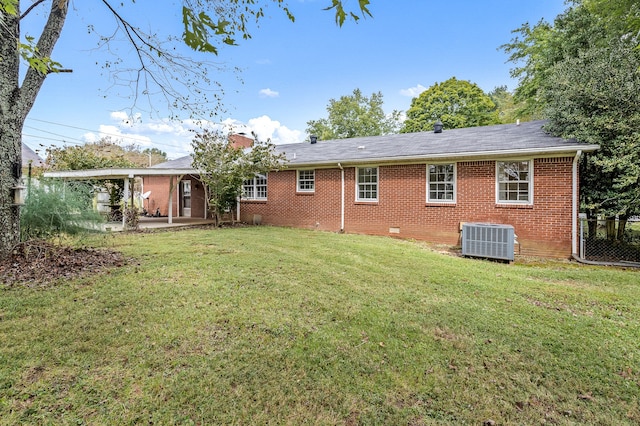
342,198
575,204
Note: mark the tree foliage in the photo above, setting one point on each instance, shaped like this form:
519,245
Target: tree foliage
355,115
536,49
507,108
102,154
159,72
99,155
620,16
456,103
155,156
582,73
595,98
224,167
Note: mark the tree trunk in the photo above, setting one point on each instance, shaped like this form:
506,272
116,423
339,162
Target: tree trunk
622,226
10,170
15,103
610,226
10,133
592,224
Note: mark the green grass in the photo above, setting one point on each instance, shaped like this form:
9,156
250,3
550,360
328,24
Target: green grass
264,325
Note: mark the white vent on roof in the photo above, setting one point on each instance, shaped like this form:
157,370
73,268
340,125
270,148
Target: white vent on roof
361,147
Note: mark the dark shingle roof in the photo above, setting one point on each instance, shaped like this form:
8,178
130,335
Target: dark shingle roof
178,163
506,139
29,155
527,138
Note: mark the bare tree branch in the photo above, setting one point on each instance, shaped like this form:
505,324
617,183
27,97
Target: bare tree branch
182,82
33,6
34,79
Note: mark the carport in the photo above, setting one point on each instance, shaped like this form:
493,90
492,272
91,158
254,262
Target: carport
174,176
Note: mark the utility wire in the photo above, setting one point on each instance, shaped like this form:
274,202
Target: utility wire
55,134
51,139
88,130
96,131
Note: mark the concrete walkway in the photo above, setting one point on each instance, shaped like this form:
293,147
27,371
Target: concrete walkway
158,223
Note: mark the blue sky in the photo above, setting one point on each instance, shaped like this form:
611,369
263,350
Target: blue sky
289,71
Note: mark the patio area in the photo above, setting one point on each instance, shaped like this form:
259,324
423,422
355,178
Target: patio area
158,223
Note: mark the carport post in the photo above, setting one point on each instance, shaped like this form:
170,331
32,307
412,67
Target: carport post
170,220
127,189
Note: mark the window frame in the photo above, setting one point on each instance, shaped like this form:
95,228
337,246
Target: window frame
454,183
359,184
257,188
529,182
299,181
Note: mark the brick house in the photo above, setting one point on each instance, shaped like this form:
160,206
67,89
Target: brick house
425,185
186,191
414,185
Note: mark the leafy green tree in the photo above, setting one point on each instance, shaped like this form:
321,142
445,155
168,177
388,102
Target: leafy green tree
99,155
179,80
620,16
456,103
506,106
581,73
355,115
156,156
224,167
536,49
596,98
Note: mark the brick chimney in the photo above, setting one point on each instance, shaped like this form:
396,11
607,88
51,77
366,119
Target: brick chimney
240,140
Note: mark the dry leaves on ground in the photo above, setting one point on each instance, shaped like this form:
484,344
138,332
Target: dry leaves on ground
39,263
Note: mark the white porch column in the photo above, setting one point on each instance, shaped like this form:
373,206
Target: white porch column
127,191
171,188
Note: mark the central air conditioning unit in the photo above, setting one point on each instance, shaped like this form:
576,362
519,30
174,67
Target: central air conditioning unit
488,240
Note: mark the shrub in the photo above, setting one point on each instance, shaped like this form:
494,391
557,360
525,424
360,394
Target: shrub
53,208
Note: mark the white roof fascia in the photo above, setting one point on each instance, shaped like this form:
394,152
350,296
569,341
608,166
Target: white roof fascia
117,173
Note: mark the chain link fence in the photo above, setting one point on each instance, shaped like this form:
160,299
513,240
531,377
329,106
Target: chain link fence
610,241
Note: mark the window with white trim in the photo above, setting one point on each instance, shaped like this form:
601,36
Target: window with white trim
441,183
367,184
514,180
306,180
256,188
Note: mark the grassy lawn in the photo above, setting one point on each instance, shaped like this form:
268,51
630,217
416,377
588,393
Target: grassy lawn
262,325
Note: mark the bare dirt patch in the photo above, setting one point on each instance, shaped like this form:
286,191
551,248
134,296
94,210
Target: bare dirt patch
39,263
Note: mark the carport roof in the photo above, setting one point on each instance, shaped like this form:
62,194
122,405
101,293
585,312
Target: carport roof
117,173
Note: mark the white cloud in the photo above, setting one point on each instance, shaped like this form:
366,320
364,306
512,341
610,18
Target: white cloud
267,128
119,115
264,127
174,137
268,93
162,128
412,92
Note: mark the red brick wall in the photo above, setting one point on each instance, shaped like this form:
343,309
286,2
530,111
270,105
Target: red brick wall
159,198
543,228
287,207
